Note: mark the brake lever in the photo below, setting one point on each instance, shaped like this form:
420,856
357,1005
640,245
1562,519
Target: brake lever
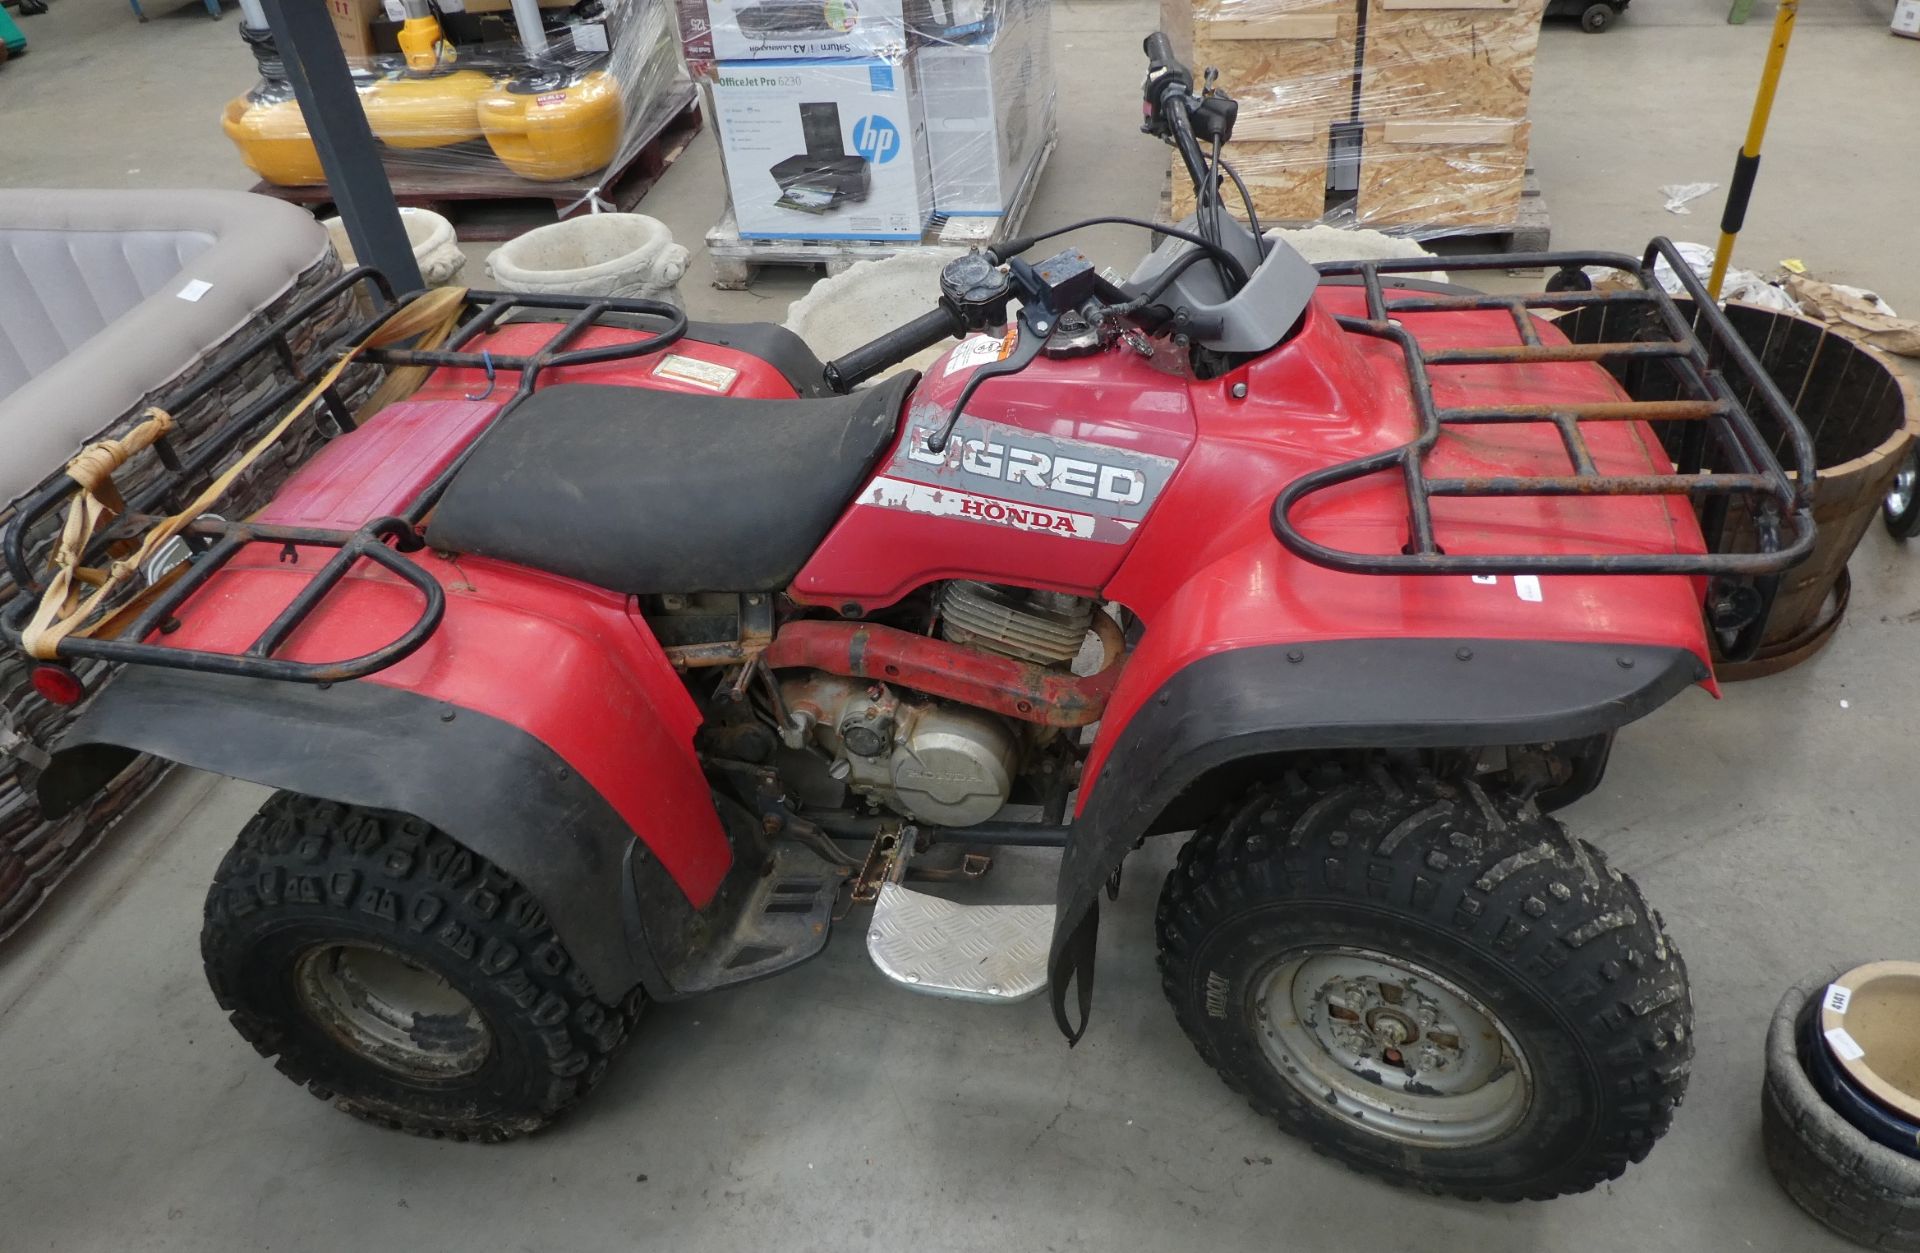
1030,337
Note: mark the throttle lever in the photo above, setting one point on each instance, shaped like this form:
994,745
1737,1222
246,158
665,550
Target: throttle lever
1030,337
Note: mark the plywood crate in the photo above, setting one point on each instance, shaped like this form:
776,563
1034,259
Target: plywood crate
1466,173
1444,89
1284,167
1290,64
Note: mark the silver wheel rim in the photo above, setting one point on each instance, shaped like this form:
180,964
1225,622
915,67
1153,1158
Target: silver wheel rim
1392,1047
393,1012
1900,497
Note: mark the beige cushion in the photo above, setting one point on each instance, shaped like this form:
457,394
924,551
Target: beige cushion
92,313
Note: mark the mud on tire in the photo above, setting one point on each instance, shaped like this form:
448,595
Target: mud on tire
1488,895
312,887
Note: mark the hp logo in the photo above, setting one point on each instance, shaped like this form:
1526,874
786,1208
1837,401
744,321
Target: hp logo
876,139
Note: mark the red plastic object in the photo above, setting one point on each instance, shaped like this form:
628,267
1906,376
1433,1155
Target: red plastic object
58,684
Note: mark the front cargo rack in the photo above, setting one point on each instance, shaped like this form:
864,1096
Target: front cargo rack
211,543
1707,386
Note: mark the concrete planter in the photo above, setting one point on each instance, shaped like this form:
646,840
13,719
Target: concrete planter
602,254
435,249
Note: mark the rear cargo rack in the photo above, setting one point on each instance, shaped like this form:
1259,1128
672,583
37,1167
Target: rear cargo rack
1705,377
213,543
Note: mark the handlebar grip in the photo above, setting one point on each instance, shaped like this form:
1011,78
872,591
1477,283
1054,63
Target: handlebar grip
1161,61
845,373
1159,50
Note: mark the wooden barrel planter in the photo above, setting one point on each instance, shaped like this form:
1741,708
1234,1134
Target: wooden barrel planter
1861,411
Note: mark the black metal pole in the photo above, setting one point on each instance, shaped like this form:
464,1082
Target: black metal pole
317,69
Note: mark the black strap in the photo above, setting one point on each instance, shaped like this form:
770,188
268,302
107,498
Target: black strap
1073,964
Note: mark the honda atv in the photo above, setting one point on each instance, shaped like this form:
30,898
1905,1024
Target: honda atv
625,655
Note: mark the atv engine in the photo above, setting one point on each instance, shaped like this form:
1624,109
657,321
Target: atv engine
936,761
939,763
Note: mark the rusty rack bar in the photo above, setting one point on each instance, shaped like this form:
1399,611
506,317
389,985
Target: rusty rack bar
213,543
370,543
1704,356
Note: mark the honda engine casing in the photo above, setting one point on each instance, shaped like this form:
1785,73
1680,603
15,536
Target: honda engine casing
947,765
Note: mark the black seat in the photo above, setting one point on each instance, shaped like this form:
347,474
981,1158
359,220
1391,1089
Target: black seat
645,491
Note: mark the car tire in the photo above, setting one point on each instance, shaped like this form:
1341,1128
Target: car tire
1597,18
390,970
1277,915
1862,1190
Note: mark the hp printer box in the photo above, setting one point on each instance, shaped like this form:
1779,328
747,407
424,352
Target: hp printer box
743,30
822,149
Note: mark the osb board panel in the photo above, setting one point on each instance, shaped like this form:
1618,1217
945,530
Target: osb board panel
1420,175
1247,19
1433,62
1288,180
1283,60
1307,80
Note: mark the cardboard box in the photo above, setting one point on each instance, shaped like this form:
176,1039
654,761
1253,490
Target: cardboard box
989,108
822,149
778,30
353,24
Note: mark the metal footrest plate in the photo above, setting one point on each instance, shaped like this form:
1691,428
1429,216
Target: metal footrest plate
969,952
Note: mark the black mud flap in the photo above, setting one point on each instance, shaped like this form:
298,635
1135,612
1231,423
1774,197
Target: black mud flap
488,784
1339,694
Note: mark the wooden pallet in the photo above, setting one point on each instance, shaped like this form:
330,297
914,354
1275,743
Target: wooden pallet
487,203
735,260
1531,230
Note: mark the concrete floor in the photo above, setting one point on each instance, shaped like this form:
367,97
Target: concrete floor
825,1110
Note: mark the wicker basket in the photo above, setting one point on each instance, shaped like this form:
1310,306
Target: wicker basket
35,855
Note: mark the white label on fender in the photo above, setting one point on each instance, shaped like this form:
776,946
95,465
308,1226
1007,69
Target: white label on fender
192,292
1844,1046
1838,998
1486,580
715,378
945,502
1527,586
978,351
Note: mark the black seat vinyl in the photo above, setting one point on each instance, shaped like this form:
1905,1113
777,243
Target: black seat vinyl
649,491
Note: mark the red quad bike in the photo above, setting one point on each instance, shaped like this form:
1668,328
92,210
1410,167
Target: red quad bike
621,684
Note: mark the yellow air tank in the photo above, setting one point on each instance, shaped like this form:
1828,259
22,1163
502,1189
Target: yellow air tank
549,135
273,141
430,112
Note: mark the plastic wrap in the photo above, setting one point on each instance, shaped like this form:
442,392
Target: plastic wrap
989,99
1403,115
845,121
477,110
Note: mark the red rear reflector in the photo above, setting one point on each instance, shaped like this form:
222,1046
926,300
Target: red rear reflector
58,684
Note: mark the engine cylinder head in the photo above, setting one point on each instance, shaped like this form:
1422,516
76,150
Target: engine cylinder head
1043,627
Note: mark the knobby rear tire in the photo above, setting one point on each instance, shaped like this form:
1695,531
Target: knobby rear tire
308,876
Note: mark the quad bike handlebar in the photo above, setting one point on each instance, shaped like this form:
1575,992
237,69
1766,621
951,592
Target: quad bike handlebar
845,373
1173,112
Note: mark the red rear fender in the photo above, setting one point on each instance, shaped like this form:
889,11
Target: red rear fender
571,666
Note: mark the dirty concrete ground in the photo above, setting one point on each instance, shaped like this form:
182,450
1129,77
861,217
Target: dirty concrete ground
827,1111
